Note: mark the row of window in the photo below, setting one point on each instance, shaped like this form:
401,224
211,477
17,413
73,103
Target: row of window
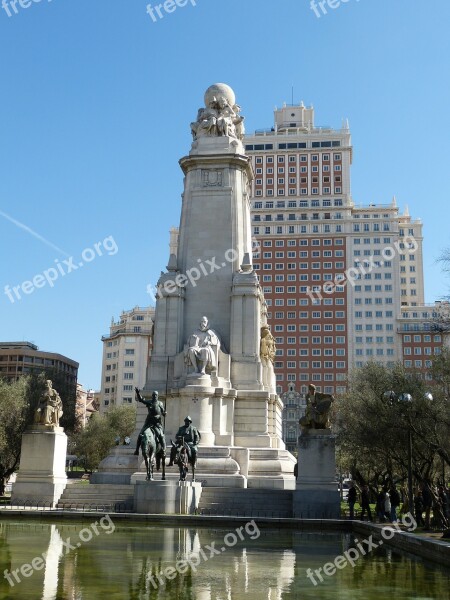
302,254
281,158
378,326
302,242
370,352
418,350
297,217
301,204
293,229
303,191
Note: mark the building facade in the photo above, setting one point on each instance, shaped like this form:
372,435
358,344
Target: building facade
24,358
126,353
335,274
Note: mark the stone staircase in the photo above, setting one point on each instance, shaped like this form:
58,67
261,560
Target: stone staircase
246,502
104,497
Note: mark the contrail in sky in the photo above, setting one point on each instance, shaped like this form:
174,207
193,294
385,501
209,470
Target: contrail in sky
33,233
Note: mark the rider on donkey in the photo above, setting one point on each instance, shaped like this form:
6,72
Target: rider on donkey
154,420
190,435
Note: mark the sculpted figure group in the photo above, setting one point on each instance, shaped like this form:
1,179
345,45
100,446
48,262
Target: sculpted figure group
219,118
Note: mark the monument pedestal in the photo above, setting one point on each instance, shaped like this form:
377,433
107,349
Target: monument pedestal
42,474
118,467
317,494
167,497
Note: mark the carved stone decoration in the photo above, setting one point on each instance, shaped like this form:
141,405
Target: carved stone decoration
202,349
220,116
50,409
268,349
212,177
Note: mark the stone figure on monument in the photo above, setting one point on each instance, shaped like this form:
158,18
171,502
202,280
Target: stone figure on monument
156,412
220,116
203,349
318,408
50,408
268,349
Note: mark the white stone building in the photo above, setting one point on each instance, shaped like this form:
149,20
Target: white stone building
126,353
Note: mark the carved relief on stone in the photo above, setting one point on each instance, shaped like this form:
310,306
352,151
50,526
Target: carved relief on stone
268,349
212,177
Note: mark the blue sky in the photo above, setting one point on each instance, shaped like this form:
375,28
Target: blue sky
96,104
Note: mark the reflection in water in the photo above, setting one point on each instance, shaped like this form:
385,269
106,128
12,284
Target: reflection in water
139,562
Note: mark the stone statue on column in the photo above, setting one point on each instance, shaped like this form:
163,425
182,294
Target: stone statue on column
220,116
50,408
202,349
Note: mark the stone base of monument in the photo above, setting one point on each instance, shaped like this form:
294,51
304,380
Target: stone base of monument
167,497
42,474
118,467
316,495
271,468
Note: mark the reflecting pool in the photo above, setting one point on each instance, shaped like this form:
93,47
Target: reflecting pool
91,560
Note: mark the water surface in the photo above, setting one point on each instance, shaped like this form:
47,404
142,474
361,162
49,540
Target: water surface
91,560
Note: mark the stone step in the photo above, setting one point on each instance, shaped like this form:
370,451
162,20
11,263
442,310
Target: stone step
277,503
109,496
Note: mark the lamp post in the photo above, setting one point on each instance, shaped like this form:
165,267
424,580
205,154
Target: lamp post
406,399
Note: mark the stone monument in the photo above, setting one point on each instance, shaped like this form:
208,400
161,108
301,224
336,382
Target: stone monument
212,347
42,473
317,495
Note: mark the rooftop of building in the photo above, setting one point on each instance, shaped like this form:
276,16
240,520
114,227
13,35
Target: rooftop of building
27,348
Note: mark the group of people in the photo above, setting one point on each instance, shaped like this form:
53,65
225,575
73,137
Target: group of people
387,503
425,497
389,500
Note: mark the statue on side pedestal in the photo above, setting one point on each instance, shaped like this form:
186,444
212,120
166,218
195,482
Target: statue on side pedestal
318,410
50,408
202,349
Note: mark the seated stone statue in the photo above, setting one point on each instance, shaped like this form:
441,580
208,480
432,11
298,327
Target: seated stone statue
318,410
50,409
202,349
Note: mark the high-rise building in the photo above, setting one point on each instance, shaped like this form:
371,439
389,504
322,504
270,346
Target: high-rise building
24,358
335,274
126,352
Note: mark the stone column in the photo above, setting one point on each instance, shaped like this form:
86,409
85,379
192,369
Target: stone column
42,473
316,495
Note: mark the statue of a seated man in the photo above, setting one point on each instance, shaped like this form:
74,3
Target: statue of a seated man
318,408
200,352
50,408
